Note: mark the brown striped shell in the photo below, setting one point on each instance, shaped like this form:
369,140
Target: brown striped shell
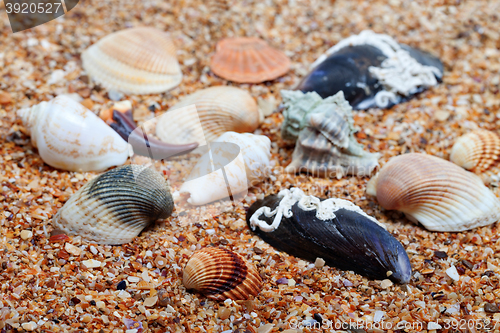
435,192
478,152
248,60
220,274
140,60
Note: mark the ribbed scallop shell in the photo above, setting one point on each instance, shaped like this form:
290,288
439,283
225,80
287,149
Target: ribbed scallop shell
221,274
218,110
116,206
71,137
248,60
479,152
137,61
435,192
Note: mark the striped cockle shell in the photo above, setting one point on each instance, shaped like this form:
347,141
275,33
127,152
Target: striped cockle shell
478,152
71,137
236,162
248,60
138,61
435,192
220,274
116,206
207,114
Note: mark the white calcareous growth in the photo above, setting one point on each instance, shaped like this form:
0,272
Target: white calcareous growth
71,137
400,73
229,169
325,209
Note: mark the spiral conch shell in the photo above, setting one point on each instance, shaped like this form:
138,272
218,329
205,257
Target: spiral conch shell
216,110
478,152
324,130
116,206
435,192
242,159
70,137
221,274
138,61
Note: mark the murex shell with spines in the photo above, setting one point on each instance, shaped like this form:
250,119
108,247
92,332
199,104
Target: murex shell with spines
437,193
207,114
139,60
478,152
220,274
324,130
372,70
335,230
116,206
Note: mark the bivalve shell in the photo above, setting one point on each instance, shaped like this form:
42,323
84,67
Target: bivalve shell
248,60
221,274
478,152
138,61
207,114
435,192
116,206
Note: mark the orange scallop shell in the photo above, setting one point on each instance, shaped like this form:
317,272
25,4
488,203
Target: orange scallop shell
221,274
478,152
248,60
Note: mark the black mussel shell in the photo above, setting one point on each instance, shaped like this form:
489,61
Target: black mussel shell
350,241
347,70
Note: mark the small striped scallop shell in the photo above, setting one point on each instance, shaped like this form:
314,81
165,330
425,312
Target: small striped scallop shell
478,152
218,110
248,60
138,61
116,206
435,192
220,274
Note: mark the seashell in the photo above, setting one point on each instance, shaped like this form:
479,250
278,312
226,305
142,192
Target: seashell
324,130
116,206
372,70
248,60
435,192
218,110
334,230
478,152
235,163
221,274
137,61
70,137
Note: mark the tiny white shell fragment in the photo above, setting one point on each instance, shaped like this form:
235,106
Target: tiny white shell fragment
453,273
92,263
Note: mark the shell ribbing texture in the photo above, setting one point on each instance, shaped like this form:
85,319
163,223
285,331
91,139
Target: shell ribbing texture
221,274
479,152
116,206
218,110
139,60
248,60
435,192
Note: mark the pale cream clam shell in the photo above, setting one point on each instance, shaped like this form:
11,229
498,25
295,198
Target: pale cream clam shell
138,61
221,274
478,152
207,114
71,137
116,206
249,167
435,192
